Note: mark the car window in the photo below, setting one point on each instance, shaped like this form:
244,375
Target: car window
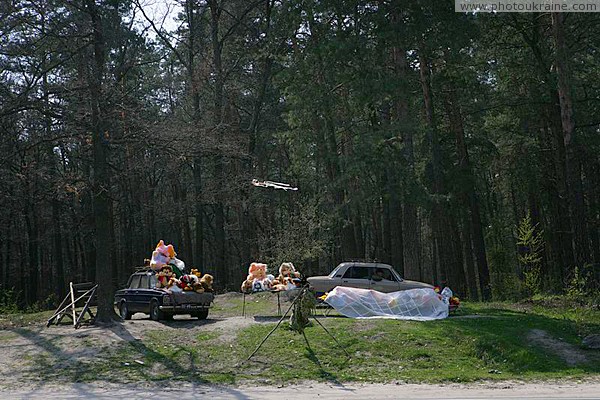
384,273
135,282
153,281
145,282
357,273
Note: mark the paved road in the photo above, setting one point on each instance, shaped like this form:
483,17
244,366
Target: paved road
510,390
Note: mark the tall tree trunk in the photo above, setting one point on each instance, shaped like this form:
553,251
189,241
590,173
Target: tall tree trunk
397,244
101,179
32,282
437,217
467,256
386,223
59,287
408,227
218,100
469,194
593,179
194,89
572,161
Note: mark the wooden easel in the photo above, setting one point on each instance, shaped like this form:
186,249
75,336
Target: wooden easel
78,292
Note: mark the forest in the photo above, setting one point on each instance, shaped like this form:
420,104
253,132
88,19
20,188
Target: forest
463,149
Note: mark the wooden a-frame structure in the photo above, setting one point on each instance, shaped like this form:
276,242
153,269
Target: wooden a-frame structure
79,293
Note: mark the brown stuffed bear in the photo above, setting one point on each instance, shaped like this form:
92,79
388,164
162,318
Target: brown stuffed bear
256,281
206,282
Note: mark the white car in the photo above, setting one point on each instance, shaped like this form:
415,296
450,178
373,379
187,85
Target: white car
364,275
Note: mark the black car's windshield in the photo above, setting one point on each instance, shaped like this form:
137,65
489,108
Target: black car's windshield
134,282
145,282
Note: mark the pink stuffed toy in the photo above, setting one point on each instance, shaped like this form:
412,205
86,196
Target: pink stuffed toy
161,256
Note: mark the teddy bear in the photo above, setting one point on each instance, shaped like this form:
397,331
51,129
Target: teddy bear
206,282
257,279
194,271
196,285
247,286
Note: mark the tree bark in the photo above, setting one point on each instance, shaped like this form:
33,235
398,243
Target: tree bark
437,216
572,161
408,225
218,101
469,198
101,179
33,272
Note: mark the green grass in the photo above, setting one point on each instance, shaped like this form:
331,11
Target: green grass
493,346
482,341
8,321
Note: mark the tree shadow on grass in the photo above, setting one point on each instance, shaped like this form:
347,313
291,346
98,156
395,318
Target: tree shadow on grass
323,374
193,373
55,363
501,339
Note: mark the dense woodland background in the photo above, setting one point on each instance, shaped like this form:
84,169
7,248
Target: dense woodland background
462,149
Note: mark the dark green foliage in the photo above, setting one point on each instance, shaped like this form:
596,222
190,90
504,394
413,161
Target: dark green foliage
417,136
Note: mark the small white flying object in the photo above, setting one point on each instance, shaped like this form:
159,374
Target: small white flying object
274,185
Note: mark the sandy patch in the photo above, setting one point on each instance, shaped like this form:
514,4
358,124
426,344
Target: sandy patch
569,353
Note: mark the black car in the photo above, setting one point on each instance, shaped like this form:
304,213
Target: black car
141,295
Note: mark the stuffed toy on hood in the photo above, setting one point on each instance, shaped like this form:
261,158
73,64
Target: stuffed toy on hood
186,283
163,277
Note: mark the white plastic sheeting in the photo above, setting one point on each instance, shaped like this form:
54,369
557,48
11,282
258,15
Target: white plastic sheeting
414,304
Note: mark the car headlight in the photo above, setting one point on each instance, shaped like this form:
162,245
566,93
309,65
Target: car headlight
166,300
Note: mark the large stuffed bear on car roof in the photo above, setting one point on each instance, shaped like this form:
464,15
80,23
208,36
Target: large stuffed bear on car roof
165,255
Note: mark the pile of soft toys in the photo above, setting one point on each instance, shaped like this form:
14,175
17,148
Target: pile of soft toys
259,281
170,272
453,301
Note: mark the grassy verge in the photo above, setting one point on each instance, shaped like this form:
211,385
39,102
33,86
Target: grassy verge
481,341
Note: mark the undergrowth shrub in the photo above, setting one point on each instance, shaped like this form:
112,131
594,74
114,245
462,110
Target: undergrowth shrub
9,301
504,281
583,285
531,245
507,286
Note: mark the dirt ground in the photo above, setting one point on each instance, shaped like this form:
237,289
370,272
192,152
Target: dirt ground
24,349
498,390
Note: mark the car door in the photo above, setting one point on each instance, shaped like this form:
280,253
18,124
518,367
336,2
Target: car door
388,282
144,294
133,294
358,277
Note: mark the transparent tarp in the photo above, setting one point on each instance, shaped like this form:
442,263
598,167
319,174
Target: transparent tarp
414,304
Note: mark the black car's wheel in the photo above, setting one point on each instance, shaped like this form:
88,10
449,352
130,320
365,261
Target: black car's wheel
202,314
124,310
155,313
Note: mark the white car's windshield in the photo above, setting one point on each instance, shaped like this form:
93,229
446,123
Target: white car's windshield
335,270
